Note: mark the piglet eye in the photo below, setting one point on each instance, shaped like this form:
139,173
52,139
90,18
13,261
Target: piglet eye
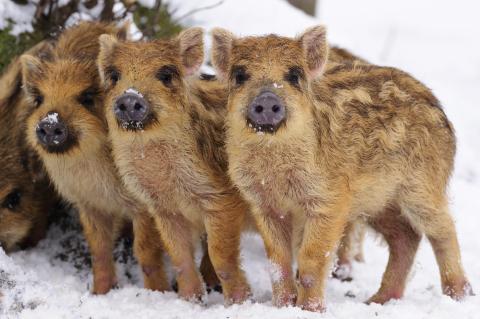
12,200
36,95
37,100
87,98
113,74
166,74
294,75
240,75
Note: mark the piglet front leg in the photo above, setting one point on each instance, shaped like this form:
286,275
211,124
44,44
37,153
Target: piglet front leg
276,231
101,231
323,230
176,234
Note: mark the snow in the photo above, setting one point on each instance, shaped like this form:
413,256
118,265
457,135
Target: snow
343,271
277,86
133,91
275,271
52,118
435,40
21,14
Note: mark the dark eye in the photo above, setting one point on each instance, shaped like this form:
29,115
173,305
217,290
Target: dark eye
38,100
166,74
12,200
113,75
294,75
240,75
87,98
37,97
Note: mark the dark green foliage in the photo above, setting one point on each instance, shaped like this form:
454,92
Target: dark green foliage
49,19
156,22
11,46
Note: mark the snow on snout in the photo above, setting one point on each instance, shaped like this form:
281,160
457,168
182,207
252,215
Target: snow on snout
277,86
52,118
133,91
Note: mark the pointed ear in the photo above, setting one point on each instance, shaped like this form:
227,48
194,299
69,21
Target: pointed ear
191,49
31,68
108,43
43,50
315,48
222,43
123,32
31,73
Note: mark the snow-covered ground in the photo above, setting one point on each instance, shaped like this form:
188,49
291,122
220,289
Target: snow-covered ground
435,40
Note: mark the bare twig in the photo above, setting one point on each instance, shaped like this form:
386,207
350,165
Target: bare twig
107,11
191,12
150,28
158,8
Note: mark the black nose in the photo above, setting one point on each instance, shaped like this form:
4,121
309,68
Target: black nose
51,131
130,108
266,112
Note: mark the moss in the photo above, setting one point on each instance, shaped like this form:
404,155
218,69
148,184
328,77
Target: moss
11,46
156,23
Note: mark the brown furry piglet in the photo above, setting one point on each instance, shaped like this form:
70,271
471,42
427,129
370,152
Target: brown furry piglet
25,193
67,128
168,147
312,151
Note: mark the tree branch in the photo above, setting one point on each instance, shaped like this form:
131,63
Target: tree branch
191,12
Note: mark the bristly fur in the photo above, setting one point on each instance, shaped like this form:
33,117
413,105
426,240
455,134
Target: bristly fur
25,192
177,165
359,140
84,173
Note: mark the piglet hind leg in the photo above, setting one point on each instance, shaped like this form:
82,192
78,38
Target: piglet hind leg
224,224
176,235
149,252
428,208
403,243
350,249
100,231
277,237
443,238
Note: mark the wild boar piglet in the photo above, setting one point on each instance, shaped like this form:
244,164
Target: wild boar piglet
312,150
168,147
26,196
67,128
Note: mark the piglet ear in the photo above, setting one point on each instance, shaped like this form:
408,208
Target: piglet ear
108,43
31,68
31,72
191,49
315,48
222,43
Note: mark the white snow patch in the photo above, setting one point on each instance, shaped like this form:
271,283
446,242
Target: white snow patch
22,15
277,86
275,271
52,118
133,91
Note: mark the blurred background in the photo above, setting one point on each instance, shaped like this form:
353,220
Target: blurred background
437,41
